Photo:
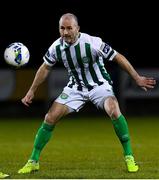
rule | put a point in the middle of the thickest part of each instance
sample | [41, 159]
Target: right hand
[27, 100]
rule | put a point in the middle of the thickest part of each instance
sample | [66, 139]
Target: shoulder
[92, 40]
[56, 43]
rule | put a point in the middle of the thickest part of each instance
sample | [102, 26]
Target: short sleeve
[107, 52]
[49, 57]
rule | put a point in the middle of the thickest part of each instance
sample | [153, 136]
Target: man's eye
[69, 28]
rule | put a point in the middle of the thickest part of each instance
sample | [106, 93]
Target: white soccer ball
[17, 54]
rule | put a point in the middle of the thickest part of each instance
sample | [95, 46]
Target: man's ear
[78, 28]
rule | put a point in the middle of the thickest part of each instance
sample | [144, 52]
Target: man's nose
[65, 32]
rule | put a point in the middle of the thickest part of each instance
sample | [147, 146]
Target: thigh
[71, 98]
[56, 112]
[100, 94]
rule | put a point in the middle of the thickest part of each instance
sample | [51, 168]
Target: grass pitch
[80, 148]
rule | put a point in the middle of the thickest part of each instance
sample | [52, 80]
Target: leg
[43, 135]
[45, 131]
[121, 128]
[69, 101]
[119, 122]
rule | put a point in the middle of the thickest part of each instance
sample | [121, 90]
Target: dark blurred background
[130, 27]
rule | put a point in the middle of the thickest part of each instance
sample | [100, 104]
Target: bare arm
[40, 77]
[142, 81]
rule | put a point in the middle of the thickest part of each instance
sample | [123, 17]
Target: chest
[78, 56]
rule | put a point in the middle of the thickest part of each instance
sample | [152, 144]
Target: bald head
[69, 16]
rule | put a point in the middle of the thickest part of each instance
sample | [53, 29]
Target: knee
[51, 119]
[112, 112]
[111, 107]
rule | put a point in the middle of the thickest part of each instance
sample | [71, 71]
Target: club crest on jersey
[63, 96]
[86, 59]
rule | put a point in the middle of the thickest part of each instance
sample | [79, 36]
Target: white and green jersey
[83, 60]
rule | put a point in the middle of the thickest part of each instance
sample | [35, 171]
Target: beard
[70, 39]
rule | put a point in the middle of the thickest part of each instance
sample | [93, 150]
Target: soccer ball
[16, 54]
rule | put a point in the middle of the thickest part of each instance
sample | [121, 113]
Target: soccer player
[2, 175]
[83, 56]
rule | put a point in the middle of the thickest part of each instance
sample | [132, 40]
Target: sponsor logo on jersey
[106, 48]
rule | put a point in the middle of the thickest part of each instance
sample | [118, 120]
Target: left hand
[146, 82]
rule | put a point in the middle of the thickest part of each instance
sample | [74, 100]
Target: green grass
[81, 148]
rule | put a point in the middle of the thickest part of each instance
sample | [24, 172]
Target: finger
[25, 102]
[151, 81]
[149, 86]
[144, 88]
